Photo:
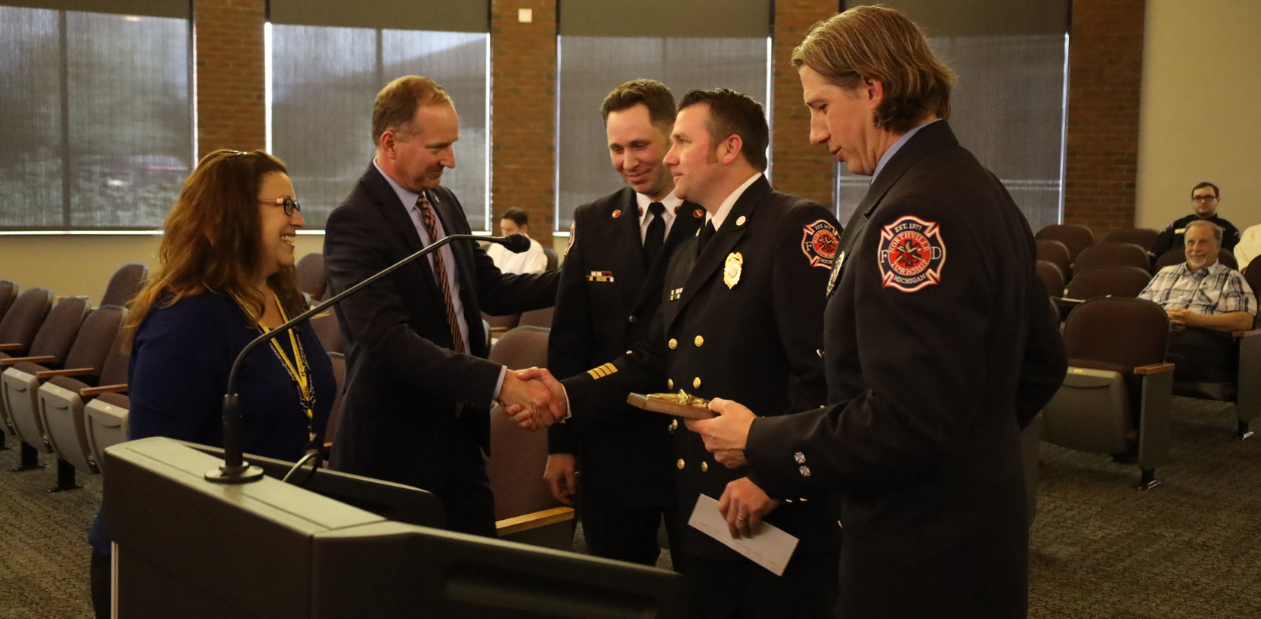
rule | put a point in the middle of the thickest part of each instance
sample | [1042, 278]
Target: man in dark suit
[418, 388]
[935, 360]
[742, 317]
[619, 247]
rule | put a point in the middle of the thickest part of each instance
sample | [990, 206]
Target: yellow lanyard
[298, 368]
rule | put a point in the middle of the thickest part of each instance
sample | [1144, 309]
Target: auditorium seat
[105, 416]
[1117, 396]
[1056, 253]
[17, 332]
[552, 259]
[63, 402]
[1244, 390]
[8, 293]
[1119, 281]
[1075, 237]
[50, 350]
[1052, 277]
[310, 272]
[500, 324]
[1143, 237]
[1111, 255]
[538, 318]
[1252, 273]
[525, 510]
[1178, 255]
[334, 414]
[327, 330]
[60, 409]
[124, 285]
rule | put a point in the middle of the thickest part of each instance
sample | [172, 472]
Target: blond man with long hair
[224, 276]
[939, 347]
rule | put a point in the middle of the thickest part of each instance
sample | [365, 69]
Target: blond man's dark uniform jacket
[742, 320]
[940, 347]
[415, 411]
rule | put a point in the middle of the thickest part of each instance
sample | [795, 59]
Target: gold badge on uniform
[731, 272]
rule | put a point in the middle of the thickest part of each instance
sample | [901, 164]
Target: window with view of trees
[329, 60]
[94, 116]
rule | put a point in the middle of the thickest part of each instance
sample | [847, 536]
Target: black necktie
[706, 233]
[655, 239]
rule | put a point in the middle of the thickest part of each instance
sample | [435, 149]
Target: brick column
[1105, 82]
[798, 167]
[523, 93]
[231, 87]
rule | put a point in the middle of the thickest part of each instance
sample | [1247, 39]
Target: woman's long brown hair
[210, 240]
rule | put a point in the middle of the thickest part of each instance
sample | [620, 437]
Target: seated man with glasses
[1205, 198]
[1210, 299]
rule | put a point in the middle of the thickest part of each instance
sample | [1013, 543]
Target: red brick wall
[523, 95]
[231, 105]
[1105, 80]
[797, 166]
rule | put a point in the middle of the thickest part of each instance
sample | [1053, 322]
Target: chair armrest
[509, 526]
[1249, 333]
[1155, 368]
[13, 346]
[17, 360]
[90, 391]
[47, 374]
[499, 329]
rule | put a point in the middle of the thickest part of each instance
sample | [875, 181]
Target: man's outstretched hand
[533, 398]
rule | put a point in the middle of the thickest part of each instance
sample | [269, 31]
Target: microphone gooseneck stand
[234, 469]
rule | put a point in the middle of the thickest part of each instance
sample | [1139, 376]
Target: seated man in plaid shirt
[1209, 298]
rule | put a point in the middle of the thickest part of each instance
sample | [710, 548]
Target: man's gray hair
[1217, 230]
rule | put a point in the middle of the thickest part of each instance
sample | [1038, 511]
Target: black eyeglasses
[289, 204]
[1208, 198]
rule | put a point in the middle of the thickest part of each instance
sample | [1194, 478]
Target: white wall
[1201, 109]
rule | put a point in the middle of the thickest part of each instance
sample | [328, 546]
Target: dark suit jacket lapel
[714, 257]
[400, 221]
[628, 246]
[685, 226]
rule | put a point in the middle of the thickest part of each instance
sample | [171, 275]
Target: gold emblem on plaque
[731, 272]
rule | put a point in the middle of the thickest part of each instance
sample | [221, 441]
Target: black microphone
[515, 243]
[234, 469]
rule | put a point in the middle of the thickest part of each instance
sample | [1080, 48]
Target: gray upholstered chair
[538, 318]
[1124, 282]
[1143, 237]
[1052, 277]
[124, 285]
[1117, 396]
[1056, 253]
[18, 385]
[60, 409]
[1074, 236]
[1111, 255]
[525, 510]
[17, 333]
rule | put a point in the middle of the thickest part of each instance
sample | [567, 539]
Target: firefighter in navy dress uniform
[939, 346]
[619, 247]
[742, 314]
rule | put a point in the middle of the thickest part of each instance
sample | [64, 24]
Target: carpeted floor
[1100, 549]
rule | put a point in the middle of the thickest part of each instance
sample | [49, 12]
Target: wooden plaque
[668, 403]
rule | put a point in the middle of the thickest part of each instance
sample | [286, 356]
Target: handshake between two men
[535, 400]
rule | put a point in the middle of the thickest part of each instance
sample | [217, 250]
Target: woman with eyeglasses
[225, 276]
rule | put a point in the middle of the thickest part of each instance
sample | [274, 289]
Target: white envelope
[771, 548]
